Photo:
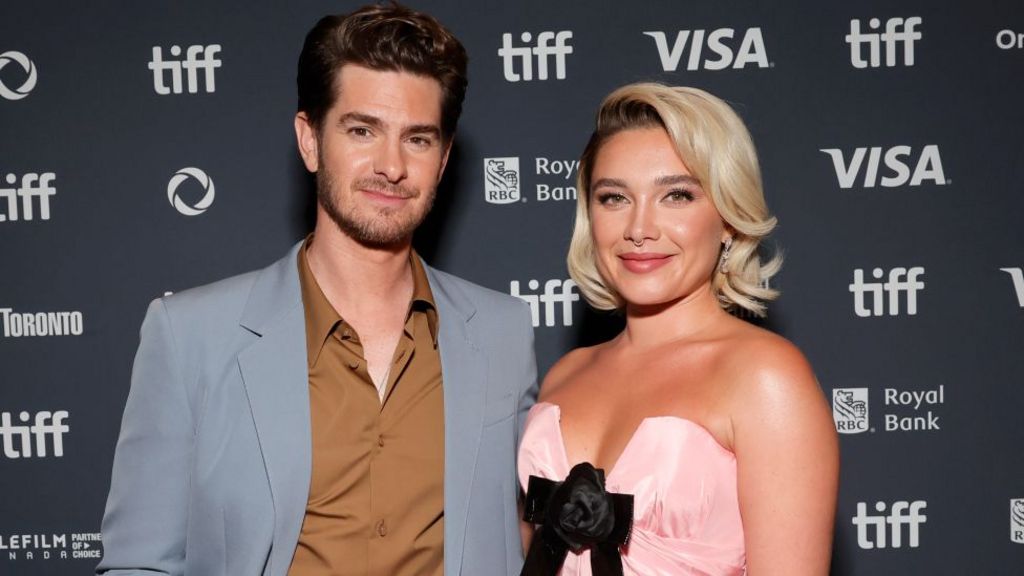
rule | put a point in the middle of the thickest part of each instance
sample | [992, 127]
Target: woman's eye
[610, 198]
[679, 196]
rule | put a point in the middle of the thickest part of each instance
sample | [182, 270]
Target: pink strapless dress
[686, 516]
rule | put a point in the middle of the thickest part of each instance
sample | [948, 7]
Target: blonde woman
[693, 442]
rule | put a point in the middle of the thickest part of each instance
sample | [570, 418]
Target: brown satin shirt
[376, 497]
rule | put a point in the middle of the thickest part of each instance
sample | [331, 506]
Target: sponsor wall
[148, 147]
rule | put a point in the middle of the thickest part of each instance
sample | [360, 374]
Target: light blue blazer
[212, 469]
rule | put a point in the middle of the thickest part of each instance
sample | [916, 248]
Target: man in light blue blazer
[216, 461]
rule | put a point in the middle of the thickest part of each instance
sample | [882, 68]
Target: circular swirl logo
[180, 205]
[30, 78]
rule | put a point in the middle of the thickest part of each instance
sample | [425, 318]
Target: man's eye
[359, 131]
[421, 141]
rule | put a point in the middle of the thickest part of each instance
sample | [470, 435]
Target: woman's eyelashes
[674, 196]
[610, 198]
[679, 195]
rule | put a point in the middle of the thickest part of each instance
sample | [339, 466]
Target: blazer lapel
[463, 368]
[274, 371]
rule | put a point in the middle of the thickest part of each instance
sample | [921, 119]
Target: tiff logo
[751, 49]
[900, 280]
[17, 439]
[902, 513]
[544, 49]
[33, 187]
[897, 159]
[1017, 275]
[197, 58]
[560, 292]
[897, 31]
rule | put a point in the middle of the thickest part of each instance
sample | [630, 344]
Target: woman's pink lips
[641, 262]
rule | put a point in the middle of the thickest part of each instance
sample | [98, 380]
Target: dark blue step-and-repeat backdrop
[146, 147]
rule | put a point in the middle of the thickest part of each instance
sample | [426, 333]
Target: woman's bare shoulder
[754, 354]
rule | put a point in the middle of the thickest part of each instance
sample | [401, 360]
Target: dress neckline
[702, 431]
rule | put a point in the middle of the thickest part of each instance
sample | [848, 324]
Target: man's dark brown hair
[382, 37]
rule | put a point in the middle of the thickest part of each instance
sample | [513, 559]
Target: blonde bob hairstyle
[715, 146]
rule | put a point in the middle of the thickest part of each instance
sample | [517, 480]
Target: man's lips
[385, 195]
[641, 262]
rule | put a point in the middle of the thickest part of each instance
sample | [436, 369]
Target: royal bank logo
[1010, 40]
[501, 180]
[884, 297]
[850, 410]
[711, 50]
[555, 303]
[548, 46]
[896, 42]
[179, 203]
[30, 200]
[551, 180]
[33, 436]
[1017, 275]
[27, 84]
[184, 72]
[559, 173]
[898, 160]
[29, 324]
[889, 529]
[904, 410]
[1017, 520]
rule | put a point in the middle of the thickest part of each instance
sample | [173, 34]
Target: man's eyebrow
[360, 118]
[375, 122]
[431, 129]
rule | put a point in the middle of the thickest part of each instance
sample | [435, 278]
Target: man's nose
[390, 161]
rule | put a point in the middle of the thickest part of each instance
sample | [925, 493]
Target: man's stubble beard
[386, 227]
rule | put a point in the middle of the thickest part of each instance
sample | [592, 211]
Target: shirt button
[353, 365]
[380, 440]
[382, 529]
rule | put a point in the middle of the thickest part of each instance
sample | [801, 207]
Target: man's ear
[305, 137]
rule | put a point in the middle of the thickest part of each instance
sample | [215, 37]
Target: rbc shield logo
[1017, 520]
[850, 410]
[501, 180]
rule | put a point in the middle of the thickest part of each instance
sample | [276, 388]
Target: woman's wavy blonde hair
[716, 147]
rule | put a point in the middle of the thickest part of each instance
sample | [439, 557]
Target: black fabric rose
[584, 512]
[576, 514]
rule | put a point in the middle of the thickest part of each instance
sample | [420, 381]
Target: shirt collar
[322, 318]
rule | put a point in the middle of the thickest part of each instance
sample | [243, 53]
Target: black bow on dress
[575, 514]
